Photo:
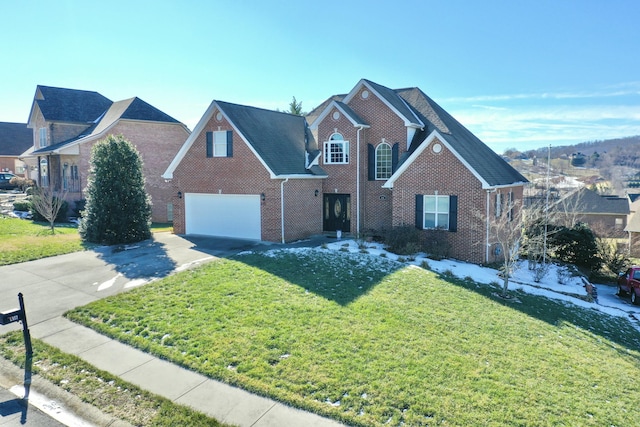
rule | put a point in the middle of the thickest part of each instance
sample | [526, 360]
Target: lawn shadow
[146, 259]
[557, 313]
[342, 279]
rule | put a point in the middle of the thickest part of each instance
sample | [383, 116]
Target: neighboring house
[15, 138]
[66, 123]
[633, 225]
[603, 213]
[363, 162]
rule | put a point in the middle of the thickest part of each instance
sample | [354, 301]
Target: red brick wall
[157, 143]
[60, 132]
[245, 174]
[375, 201]
[303, 209]
[7, 164]
[444, 173]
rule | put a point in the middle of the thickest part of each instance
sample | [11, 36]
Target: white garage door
[224, 215]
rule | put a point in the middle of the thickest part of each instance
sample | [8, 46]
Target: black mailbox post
[20, 315]
[10, 316]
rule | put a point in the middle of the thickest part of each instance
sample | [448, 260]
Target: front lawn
[22, 240]
[370, 341]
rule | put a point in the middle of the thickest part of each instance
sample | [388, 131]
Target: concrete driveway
[54, 285]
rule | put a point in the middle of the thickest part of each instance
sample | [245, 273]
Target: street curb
[12, 376]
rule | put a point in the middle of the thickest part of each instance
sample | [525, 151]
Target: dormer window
[336, 150]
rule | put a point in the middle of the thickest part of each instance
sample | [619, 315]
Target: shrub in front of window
[436, 244]
[404, 240]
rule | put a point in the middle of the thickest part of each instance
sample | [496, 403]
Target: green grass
[158, 227]
[107, 392]
[372, 342]
[22, 240]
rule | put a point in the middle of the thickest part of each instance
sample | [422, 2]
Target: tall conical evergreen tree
[118, 209]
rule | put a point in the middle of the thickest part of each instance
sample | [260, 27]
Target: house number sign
[11, 316]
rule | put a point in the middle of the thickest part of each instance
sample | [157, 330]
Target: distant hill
[610, 152]
[615, 160]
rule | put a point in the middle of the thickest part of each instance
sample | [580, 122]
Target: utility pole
[546, 210]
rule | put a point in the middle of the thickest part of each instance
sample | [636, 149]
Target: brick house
[370, 160]
[66, 123]
[606, 214]
[15, 139]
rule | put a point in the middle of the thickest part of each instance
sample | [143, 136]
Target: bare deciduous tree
[48, 203]
[506, 231]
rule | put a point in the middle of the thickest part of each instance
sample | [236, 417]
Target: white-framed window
[43, 137]
[436, 212]
[383, 161]
[220, 143]
[336, 150]
[498, 204]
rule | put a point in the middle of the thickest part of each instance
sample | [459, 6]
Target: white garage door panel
[225, 215]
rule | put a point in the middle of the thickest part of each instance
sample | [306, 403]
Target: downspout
[488, 225]
[486, 257]
[358, 182]
[282, 207]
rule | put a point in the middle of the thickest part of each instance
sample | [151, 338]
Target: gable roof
[418, 110]
[347, 111]
[482, 160]
[15, 138]
[589, 202]
[634, 224]
[281, 141]
[128, 109]
[69, 105]
[391, 98]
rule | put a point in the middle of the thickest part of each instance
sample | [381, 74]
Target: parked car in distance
[5, 184]
[629, 284]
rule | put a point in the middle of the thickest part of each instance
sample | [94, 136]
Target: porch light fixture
[179, 194]
[315, 193]
[262, 196]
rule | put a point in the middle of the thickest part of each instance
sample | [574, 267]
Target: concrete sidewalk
[223, 402]
[52, 286]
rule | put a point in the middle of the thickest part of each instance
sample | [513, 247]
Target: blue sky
[523, 74]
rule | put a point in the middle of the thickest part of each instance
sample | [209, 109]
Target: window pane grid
[436, 212]
[383, 161]
[220, 144]
[336, 152]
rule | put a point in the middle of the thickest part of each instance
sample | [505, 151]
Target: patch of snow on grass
[522, 279]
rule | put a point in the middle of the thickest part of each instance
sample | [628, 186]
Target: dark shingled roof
[282, 140]
[128, 109]
[354, 116]
[137, 109]
[15, 138]
[315, 113]
[392, 98]
[589, 202]
[70, 105]
[489, 165]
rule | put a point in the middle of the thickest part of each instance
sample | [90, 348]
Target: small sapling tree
[49, 204]
[505, 230]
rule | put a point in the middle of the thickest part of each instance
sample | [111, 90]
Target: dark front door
[337, 212]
